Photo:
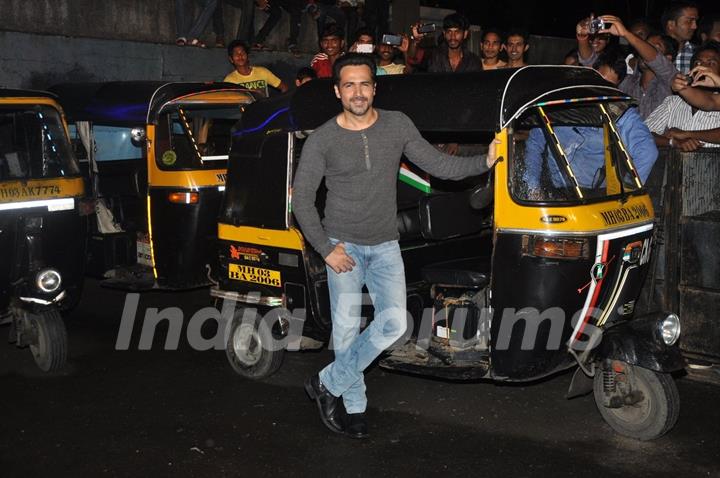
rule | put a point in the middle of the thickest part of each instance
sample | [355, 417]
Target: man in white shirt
[677, 124]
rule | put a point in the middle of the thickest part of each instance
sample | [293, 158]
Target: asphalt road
[185, 413]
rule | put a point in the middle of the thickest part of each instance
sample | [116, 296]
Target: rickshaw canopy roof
[12, 93]
[469, 102]
[130, 103]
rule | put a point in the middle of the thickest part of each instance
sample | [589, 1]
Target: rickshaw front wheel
[252, 348]
[649, 401]
[50, 344]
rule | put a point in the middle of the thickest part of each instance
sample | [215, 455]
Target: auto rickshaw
[156, 154]
[42, 224]
[505, 281]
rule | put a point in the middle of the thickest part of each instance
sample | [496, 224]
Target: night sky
[556, 18]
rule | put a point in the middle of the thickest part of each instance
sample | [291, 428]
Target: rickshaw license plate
[254, 274]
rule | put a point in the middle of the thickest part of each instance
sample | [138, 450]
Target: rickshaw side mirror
[137, 137]
[481, 197]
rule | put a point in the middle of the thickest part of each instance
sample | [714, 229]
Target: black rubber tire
[649, 419]
[50, 350]
[246, 350]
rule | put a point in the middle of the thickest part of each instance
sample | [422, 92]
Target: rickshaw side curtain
[106, 223]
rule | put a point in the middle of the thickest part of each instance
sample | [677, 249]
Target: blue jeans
[198, 25]
[381, 269]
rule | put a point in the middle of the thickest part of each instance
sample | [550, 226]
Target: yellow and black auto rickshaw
[156, 155]
[42, 224]
[521, 273]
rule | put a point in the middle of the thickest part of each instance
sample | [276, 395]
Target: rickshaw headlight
[48, 280]
[670, 329]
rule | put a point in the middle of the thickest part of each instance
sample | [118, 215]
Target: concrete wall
[39, 61]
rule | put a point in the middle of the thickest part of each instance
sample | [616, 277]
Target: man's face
[609, 74]
[355, 89]
[659, 45]
[714, 33]
[641, 29]
[385, 52]
[491, 46]
[599, 42]
[454, 37]
[684, 27]
[364, 40]
[239, 57]
[331, 46]
[709, 59]
[516, 47]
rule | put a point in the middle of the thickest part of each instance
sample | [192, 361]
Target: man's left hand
[492, 152]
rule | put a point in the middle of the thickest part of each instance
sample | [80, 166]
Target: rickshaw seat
[471, 272]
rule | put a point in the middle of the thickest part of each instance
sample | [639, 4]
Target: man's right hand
[704, 76]
[617, 28]
[679, 83]
[339, 260]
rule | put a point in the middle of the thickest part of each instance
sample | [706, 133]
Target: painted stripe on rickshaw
[61, 204]
[603, 243]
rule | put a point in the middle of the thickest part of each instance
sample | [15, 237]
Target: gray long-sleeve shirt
[657, 90]
[360, 170]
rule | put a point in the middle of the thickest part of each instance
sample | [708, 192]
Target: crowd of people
[671, 75]
[347, 14]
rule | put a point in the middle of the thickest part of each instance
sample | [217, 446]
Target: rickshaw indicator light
[555, 247]
[670, 329]
[48, 280]
[183, 198]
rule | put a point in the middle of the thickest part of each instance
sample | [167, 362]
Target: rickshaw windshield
[34, 144]
[195, 136]
[571, 154]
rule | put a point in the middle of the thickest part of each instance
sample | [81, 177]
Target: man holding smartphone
[451, 56]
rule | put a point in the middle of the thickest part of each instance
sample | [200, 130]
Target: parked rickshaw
[42, 227]
[156, 154]
[505, 281]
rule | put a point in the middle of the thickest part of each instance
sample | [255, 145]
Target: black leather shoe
[329, 406]
[356, 425]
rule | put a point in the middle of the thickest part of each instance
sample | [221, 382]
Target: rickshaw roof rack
[481, 102]
[13, 93]
[130, 103]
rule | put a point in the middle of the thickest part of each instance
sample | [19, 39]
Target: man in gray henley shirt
[358, 153]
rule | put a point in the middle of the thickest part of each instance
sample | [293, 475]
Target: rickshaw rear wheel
[49, 349]
[252, 348]
[653, 414]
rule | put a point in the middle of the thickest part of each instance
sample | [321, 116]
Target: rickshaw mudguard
[638, 342]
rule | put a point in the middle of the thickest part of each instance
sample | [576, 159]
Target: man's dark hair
[238, 43]
[518, 32]
[614, 61]
[710, 45]
[305, 72]
[456, 20]
[674, 11]
[332, 30]
[364, 31]
[496, 31]
[353, 59]
[707, 23]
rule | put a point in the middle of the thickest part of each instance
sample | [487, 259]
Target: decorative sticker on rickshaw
[254, 274]
[246, 253]
[622, 215]
[169, 158]
[553, 219]
[221, 177]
